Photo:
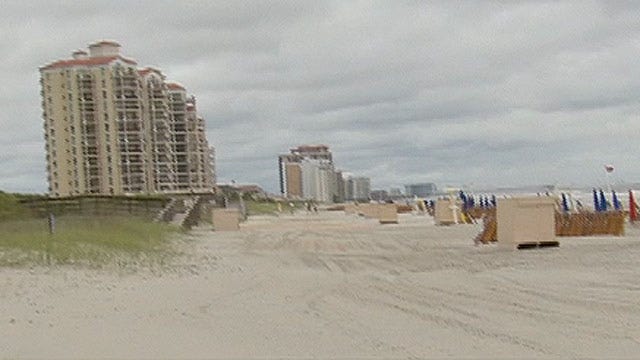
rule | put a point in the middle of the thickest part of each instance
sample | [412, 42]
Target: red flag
[633, 211]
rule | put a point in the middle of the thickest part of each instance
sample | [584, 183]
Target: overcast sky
[457, 93]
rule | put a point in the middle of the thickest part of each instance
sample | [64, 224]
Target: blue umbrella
[603, 201]
[565, 205]
[463, 197]
[596, 205]
[616, 203]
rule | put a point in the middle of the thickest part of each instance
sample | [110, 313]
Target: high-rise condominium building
[357, 188]
[289, 167]
[114, 128]
[307, 172]
[318, 180]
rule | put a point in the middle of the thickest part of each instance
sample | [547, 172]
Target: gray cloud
[482, 93]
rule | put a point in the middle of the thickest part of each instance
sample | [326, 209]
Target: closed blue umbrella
[565, 204]
[616, 203]
[463, 197]
[596, 205]
[603, 201]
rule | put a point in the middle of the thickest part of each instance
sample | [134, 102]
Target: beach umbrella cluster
[601, 204]
[568, 204]
[483, 201]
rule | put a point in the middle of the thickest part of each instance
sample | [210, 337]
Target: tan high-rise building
[293, 177]
[113, 128]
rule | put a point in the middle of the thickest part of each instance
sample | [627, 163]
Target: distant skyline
[485, 93]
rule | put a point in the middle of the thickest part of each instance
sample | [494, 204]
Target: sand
[336, 286]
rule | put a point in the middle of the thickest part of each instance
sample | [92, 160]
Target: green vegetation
[10, 208]
[262, 207]
[82, 240]
[93, 242]
[270, 207]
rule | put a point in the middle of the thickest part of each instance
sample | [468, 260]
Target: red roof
[311, 147]
[175, 86]
[105, 42]
[148, 70]
[91, 61]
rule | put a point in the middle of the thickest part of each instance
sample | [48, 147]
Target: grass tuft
[10, 208]
[268, 207]
[94, 242]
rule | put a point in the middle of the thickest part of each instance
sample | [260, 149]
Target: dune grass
[261, 207]
[267, 207]
[90, 241]
[10, 208]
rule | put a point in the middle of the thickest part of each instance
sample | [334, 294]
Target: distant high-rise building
[339, 193]
[421, 190]
[307, 172]
[113, 128]
[379, 195]
[357, 188]
[318, 179]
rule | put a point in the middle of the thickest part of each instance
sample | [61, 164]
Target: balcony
[131, 149]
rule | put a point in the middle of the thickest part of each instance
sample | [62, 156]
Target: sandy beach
[336, 286]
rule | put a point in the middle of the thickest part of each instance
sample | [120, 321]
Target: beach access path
[330, 285]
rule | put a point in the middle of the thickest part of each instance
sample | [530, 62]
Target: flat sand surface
[336, 286]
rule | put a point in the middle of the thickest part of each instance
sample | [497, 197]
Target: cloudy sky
[457, 93]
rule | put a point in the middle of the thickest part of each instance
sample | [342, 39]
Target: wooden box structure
[368, 210]
[226, 219]
[387, 213]
[590, 223]
[384, 213]
[447, 212]
[526, 222]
